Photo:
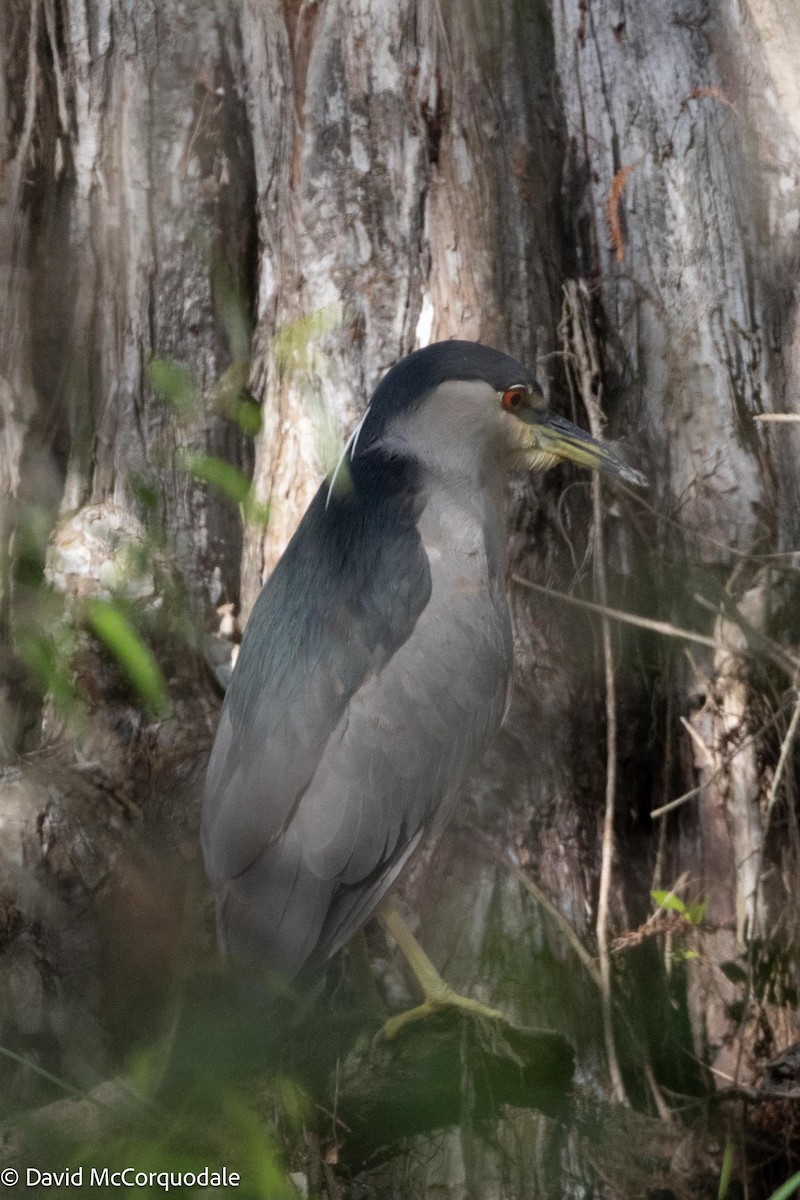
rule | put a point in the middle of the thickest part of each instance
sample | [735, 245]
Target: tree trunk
[127, 243]
[309, 189]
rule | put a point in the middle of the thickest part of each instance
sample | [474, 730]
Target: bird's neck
[457, 505]
[464, 515]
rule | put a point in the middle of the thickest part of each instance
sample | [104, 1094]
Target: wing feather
[329, 618]
[342, 735]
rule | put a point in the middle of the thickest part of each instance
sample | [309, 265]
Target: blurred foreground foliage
[220, 1086]
[134, 604]
[115, 630]
[230, 1082]
[223, 1133]
[130, 616]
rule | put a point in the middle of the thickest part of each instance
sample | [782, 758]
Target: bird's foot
[438, 994]
[443, 998]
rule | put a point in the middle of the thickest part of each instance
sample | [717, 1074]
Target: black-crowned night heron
[375, 667]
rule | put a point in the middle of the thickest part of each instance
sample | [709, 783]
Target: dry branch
[617, 614]
[431, 1076]
[440, 1072]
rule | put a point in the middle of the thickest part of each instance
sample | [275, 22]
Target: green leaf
[233, 400]
[725, 1172]
[247, 415]
[227, 479]
[222, 475]
[255, 1154]
[790, 1188]
[173, 382]
[683, 955]
[294, 345]
[669, 902]
[110, 626]
[294, 1100]
[695, 912]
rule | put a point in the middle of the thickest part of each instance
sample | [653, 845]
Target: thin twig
[783, 758]
[675, 890]
[778, 417]
[666, 775]
[694, 535]
[662, 1108]
[607, 859]
[726, 608]
[698, 741]
[618, 614]
[589, 964]
[558, 918]
[695, 791]
[590, 388]
[69, 1088]
[777, 779]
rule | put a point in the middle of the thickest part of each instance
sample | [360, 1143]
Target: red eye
[514, 398]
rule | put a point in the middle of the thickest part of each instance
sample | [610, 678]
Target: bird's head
[455, 404]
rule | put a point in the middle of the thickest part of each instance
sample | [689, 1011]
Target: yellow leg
[437, 993]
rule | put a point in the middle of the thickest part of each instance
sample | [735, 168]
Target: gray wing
[329, 617]
[401, 745]
[338, 744]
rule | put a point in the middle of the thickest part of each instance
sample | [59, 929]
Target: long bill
[555, 436]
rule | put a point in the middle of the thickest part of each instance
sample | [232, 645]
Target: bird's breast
[465, 629]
